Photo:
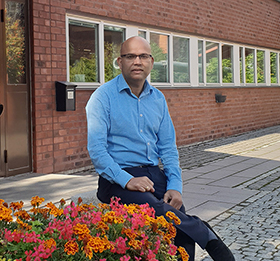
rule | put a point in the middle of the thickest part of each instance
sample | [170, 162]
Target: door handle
[1, 108]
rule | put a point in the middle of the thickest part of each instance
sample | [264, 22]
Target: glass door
[15, 90]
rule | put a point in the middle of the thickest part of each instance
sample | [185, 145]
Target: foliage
[15, 49]
[273, 67]
[212, 73]
[159, 72]
[111, 52]
[108, 232]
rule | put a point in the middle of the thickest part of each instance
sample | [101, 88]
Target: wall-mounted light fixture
[220, 98]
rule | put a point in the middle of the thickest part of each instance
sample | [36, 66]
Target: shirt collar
[122, 85]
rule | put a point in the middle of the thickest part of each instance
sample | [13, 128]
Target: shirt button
[139, 100]
[141, 130]
[148, 143]
[141, 115]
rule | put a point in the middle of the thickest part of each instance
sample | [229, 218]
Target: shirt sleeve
[168, 152]
[98, 124]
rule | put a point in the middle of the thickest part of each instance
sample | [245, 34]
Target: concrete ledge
[87, 197]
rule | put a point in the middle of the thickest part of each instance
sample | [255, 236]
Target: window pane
[212, 62]
[227, 63]
[181, 59]
[200, 62]
[260, 66]
[249, 65]
[142, 34]
[241, 62]
[83, 52]
[15, 42]
[113, 38]
[273, 67]
[159, 45]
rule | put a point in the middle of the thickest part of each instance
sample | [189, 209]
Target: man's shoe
[219, 251]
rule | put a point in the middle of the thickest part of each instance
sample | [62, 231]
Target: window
[142, 34]
[93, 48]
[212, 62]
[273, 67]
[250, 65]
[83, 51]
[241, 63]
[159, 46]
[113, 37]
[200, 62]
[181, 72]
[227, 63]
[260, 67]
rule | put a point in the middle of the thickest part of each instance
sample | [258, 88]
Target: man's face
[135, 69]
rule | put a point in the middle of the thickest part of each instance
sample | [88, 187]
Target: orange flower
[71, 247]
[173, 217]
[81, 230]
[136, 244]
[36, 201]
[54, 210]
[183, 253]
[5, 213]
[22, 214]
[50, 243]
[16, 205]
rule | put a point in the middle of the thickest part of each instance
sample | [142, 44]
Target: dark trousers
[191, 229]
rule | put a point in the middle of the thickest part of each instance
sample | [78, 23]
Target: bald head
[137, 42]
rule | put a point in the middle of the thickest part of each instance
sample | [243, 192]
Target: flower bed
[108, 232]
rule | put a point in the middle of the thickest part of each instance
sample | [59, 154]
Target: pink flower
[124, 258]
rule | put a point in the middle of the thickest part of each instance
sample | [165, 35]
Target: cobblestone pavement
[252, 228]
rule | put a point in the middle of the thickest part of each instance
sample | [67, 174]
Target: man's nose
[137, 60]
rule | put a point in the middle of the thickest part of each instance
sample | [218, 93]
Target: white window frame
[132, 30]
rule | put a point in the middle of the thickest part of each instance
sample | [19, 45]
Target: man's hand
[173, 198]
[141, 184]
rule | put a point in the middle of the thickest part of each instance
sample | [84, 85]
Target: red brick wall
[197, 116]
[59, 138]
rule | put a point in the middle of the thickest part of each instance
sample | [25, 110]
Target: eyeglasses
[132, 57]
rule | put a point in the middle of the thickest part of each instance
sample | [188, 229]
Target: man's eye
[131, 56]
[144, 56]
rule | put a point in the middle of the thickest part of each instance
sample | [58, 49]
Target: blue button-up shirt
[127, 131]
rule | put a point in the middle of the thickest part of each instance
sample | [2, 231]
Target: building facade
[217, 63]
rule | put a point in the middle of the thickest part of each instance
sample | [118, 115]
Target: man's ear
[153, 60]
[119, 61]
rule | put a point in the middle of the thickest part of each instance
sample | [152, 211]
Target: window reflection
[113, 38]
[212, 62]
[273, 67]
[159, 46]
[227, 63]
[260, 66]
[15, 42]
[181, 60]
[83, 52]
[241, 62]
[200, 62]
[249, 65]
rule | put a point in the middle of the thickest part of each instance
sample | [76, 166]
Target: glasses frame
[134, 56]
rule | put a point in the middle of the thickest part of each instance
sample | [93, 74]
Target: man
[129, 130]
